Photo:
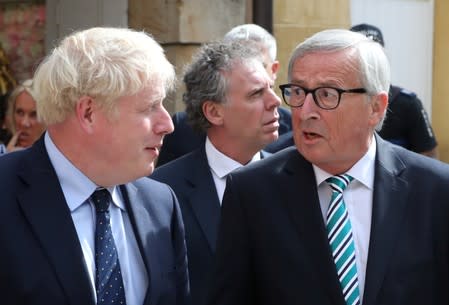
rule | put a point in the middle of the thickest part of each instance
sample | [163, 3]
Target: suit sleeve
[230, 282]
[180, 251]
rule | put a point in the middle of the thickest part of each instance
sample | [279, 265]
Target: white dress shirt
[77, 189]
[358, 197]
[221, 165]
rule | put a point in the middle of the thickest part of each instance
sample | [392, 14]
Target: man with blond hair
[81, 225]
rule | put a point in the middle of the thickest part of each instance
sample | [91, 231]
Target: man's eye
[297, 91]
[257, 93]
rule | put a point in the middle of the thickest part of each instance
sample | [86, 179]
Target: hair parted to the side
[205, 78]
[103, 63]
[25, 86]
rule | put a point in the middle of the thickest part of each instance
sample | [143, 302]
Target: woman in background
[22, 117]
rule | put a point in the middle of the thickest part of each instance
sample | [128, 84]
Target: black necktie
[108, 277]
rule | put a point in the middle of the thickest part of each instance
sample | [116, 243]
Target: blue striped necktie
[108, 277]
[339, 233]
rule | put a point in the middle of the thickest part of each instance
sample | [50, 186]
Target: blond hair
[25, 86]
[102, 63]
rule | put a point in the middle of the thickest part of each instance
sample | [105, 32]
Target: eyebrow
[254, 91]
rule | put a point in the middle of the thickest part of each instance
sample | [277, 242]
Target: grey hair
[25, 86]
[371, 62]
[205, 78]
[256, 33]
[103, 63]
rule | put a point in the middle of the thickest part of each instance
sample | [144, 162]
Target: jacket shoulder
[407, 93]
[176, 172]
[397, 91]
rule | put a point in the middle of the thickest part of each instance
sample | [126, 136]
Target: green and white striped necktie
[339, 233]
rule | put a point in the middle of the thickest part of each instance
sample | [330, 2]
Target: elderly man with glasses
[343, 217]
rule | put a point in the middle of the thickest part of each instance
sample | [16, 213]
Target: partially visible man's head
[369, 31]
[264, 40]
[335, 139]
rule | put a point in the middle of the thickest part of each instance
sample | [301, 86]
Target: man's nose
[164, 124]
[273, 100]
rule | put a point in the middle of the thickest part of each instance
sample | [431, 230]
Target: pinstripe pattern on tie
[341, 241]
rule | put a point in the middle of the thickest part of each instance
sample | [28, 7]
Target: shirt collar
[221, 164]
[362, 171]
[76, 186]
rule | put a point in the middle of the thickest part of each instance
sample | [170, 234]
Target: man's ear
[274, 69]
[213, 112]
[84, 111]
[379, 106]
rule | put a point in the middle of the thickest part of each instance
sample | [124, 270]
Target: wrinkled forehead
[346, 59]
[341, 56]
[336, 68]
[248, 67]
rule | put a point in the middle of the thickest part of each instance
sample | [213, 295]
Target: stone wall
[182, 26]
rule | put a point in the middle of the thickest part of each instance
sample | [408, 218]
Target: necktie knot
[339, 183]
[101, 198]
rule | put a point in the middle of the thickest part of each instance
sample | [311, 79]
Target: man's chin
[150, 169]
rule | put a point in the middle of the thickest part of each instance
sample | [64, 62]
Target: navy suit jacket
[285, 140]
[184, 139]
[41, 261]
[191, 179]
[272, 246]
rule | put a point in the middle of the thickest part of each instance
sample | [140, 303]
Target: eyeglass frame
[313, 91]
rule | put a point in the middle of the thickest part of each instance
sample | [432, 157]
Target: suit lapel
[304, 208]
[389, 202]
[203, 197]
[146, 234]
[45, 208]
[264, 154]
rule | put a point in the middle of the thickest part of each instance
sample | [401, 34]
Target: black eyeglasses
[325, 97]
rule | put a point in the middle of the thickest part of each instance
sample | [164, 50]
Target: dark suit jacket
[41, 261]
[184, 139]
[191, 179]
[285, 140]
[272, 245]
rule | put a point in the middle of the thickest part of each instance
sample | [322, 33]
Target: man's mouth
[311, 135]
[274, 121]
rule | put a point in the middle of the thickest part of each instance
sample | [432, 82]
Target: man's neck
[236, 151]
